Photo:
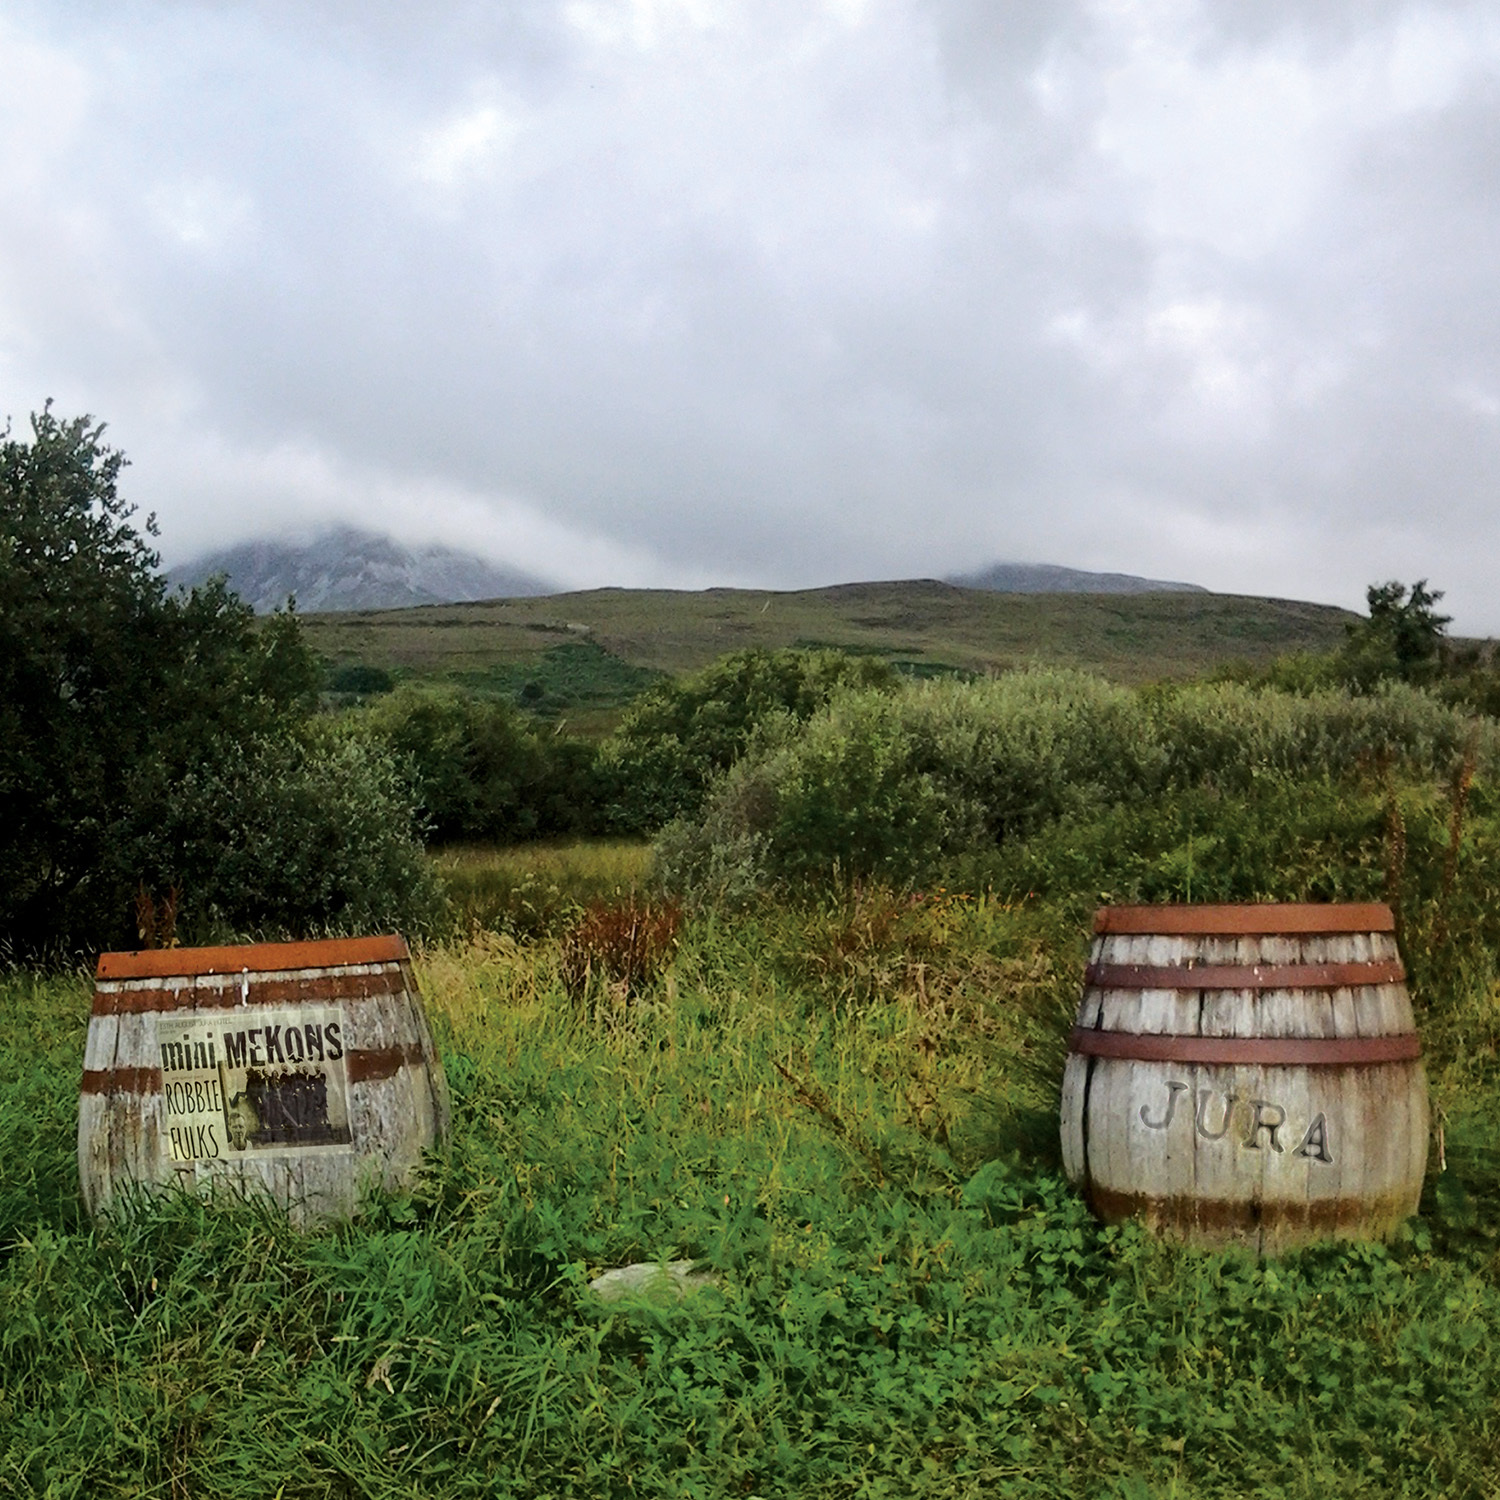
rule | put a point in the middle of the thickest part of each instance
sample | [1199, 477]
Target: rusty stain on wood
[1294, 1219]
[1242, 976]
[1264, 917]
[370, 1064]
[324, 953]
[238, 988]
[121, 1080]
[1317, 1052]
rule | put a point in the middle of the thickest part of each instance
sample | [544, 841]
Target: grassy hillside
[588, 643]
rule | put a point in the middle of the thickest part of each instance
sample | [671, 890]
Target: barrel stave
[1077, 1072]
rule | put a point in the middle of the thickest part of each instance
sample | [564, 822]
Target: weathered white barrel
[1247, 1074]
[304, 1070]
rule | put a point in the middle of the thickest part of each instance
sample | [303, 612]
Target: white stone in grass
[671, 1281]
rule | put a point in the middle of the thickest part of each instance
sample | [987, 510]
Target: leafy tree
[478, 771]
[114, 695]
[1403, 636]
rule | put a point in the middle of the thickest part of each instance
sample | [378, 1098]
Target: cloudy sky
[778, 292]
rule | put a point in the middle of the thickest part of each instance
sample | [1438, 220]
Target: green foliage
[843, 1101]
[478, 769]
[41, 1045]
[356, 681]
[1280, 839]
[826, 1104]
[153, 744]
[536, 891]
[892, 784]
[679, 735]
[285, 835]
[895, 785]
[1402, 637]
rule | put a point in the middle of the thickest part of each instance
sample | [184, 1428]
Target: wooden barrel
[304, 1070]
[1247, 1074]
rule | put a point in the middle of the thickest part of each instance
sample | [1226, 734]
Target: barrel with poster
[303, 1070]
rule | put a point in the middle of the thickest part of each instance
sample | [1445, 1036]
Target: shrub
[477, 770]
[1229, 734]
[680, 735]
[283, 837]
[357, 680]
[1281, 839]
[623, 945]
[888, 785]
[892, 785]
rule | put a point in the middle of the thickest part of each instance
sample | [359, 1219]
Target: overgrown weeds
[844, 1101]
[615, 951]
[895, 1316]
[536, 892]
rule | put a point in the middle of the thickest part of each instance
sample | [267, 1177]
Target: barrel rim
[321, 953]
[1266, 918]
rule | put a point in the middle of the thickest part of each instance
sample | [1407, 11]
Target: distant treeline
[167, 772]
[482, 770]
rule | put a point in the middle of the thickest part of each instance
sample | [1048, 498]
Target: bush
[1229, 735]
[477, 770]
[891, 786]
[289, 836]
[678, 736]
[1281, 839]
[356, 680]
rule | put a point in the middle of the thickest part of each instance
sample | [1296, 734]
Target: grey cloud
[783, 299]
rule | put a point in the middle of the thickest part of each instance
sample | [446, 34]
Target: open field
[602, 645]
[837, 1098]
[845, 1109]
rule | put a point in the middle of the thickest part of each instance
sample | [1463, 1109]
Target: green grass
[579, 675]
[845, 1107]
[927, 628]
[536, 890]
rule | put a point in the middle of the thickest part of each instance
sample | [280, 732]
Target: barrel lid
[1248, 919]
[258, 958]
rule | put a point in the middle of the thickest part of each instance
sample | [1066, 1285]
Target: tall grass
[834, 1104]
[537, 890]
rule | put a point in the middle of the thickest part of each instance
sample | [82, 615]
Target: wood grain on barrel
[1257, 1150]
